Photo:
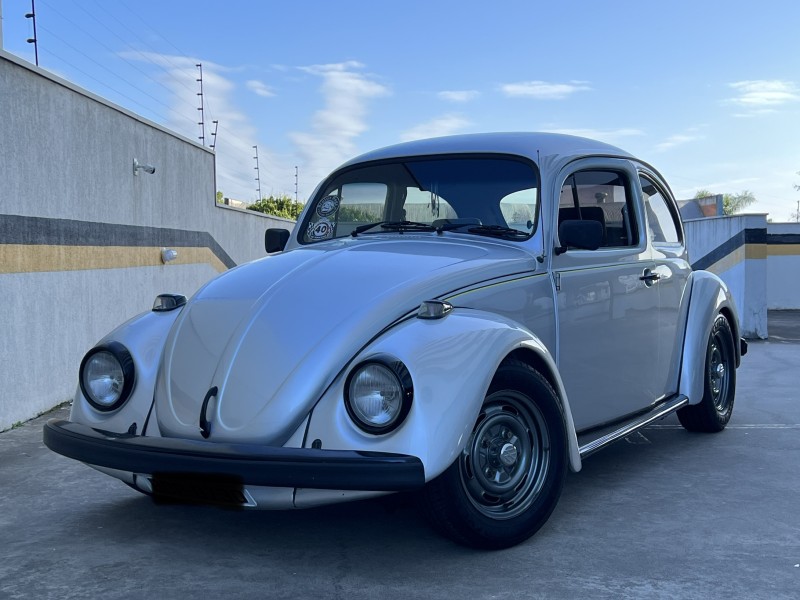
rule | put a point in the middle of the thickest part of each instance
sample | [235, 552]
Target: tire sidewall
[484, 531]
[721, 326]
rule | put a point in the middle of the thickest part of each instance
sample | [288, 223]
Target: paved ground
[784, 325]
[666, 514]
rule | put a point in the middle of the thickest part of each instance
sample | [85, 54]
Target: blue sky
[708, 92]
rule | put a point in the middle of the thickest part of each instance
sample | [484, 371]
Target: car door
[605, 302]
[665, 236]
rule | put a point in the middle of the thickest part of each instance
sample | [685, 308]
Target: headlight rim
[125, 360]
[400, 371]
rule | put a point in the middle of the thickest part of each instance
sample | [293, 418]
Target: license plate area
[216, 490]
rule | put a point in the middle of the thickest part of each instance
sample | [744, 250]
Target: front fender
[451, 362]
[144, 337]
[709, 297]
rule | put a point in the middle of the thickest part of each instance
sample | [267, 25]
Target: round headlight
[107, 376]
[378, 395]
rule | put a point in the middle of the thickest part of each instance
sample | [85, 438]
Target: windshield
[474, 195]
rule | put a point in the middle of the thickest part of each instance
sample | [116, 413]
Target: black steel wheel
[508, 478]
[715, 409]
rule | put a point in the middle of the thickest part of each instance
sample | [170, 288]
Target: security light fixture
[146, 168]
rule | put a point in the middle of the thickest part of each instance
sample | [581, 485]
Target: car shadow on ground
[619, 472]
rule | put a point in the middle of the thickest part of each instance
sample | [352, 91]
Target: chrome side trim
[661, 411]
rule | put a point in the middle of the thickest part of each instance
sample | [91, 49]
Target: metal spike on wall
[258, 172]
[34, 40]
[214, 134]
[201, 108]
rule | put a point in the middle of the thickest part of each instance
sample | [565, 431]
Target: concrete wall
[81, 235]
[735, 249]
[783, 265]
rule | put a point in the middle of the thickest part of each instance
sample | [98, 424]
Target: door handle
[649, 277]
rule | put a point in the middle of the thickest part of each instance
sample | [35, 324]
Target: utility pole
[295, 189]
[34, 40]
[258, 172]
[201, 108]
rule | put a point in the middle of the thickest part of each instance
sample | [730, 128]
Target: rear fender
[709, 297]
[452, 362]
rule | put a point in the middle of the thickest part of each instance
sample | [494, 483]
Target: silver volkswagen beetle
[465, 317]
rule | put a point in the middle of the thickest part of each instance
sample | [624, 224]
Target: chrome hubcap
[508, 455]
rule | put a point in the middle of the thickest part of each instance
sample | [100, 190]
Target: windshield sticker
[321, 230]
[328, 205]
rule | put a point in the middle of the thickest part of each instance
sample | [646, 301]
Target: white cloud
[677, 140]
[543, 90]
[335, 127]
[259, 88]
[756, 112]
[610, 136]
[760, 94]
[458, 95]
[444, 125]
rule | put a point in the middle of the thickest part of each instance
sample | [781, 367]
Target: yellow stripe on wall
[783, 249]
[755, 251]
[728, 261]
[24, 258]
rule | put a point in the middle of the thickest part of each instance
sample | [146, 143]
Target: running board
[659, 412]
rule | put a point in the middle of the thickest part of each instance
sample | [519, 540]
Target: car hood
[272, 335]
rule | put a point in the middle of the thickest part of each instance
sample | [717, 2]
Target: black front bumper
[250, 464]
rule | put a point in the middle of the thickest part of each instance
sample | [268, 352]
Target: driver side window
[602, 196]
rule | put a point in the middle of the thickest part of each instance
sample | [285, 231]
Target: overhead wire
[103, 83]
[167, 58]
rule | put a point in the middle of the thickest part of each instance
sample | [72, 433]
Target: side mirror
[584, 235]
[275, 240]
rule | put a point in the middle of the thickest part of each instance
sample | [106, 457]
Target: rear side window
[602, 196]
[661, 225]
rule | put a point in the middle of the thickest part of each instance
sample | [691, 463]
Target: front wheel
[714, 410]
[508, 478]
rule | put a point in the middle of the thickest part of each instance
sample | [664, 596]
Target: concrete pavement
[663, 514]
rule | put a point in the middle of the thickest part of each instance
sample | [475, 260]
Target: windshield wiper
[400, 226]
[499, 231]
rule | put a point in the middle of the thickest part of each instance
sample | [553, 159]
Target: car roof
[535, 146]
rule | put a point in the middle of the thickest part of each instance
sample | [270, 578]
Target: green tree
[357, 214]
[731, 203]
[282, 206]
[220, 197]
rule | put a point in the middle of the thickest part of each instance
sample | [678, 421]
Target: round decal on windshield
[328, 205]
[321, 230]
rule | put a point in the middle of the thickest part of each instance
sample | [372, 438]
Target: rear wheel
[719, 389]
[507, 480]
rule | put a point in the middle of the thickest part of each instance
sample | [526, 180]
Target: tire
[506, 482]
[719, 388]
